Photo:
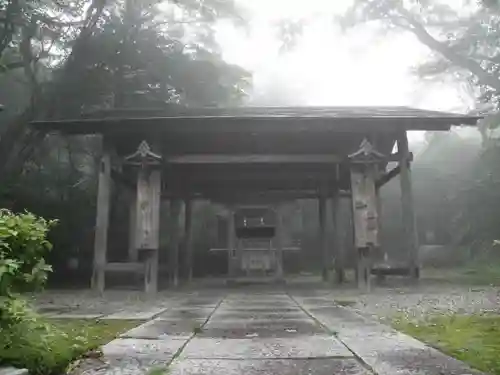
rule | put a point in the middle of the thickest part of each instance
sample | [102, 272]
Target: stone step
[13, 371]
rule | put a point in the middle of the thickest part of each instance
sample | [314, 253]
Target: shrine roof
[258, 119]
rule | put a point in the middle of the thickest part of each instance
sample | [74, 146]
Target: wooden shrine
[251, 155]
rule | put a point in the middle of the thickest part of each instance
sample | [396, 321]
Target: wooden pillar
[364, 208]
[407, 205]
[337, 242]
[133, 255]
[363, 273]
[188, 236]
[378, 202]
[279, 274]
[175, 210]
[147, 236]
[102, 221]
[231, 244]
[365, 221]
[322, 234]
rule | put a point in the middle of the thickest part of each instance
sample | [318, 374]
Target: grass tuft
[474, 339]
[48, 346]
[158, 371]
[197, 330]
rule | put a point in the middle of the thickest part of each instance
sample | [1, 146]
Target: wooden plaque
[364, 208]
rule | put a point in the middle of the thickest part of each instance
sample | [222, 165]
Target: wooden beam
[337, 243]
[134, 267]
[408, 209]
[188, 238]
[264, 158]
[277, 178]
[102, 220]
[248, 186]
[278, 244]
[386, 177]
[322, 211]
[228, 196]
[253, 159]
[231, 243]
[396, 157]
[175, 209]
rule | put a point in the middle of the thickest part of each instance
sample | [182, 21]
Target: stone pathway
[257, 332]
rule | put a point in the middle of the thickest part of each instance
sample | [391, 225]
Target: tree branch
[8, 24]
[468, 63]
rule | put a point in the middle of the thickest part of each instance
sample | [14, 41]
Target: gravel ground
[382, 302]
[420, 301]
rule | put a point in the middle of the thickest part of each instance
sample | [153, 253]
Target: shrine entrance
[251, 159]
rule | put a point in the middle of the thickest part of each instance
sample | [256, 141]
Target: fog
[362, 66]
[329, 66]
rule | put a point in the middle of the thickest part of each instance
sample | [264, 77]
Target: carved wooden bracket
[366, 154]
[143, 156]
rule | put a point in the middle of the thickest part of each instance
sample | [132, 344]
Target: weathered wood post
[364, 206]
[407, 205]
[133, 255]
[188, 237]
[231, 243]
[337, 242]
[175, 211]
[322, 233]
[148, 194]
[102, 220]
[279, 274]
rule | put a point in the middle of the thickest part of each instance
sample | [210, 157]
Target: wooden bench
[144, 269]
[384, 270]
[132, 267]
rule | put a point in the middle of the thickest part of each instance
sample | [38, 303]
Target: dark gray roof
[164, 119]
[258, 112]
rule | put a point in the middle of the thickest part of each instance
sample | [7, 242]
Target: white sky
[328, 67]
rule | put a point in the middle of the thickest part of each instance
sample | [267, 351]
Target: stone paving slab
[121, 366]
[293, 347]
[259, 298]
[316, 301]
[137, 313]
[257, 304]
[258, 309]
[335, 366]
[141, 349]
[200, 302]
[256, 332]
[164, 329]
[186, 313]
[385, 350]
[258, 315]
[298, 326]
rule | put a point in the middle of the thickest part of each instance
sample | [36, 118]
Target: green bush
[30, 342]
[23, 246]
[26, 340]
